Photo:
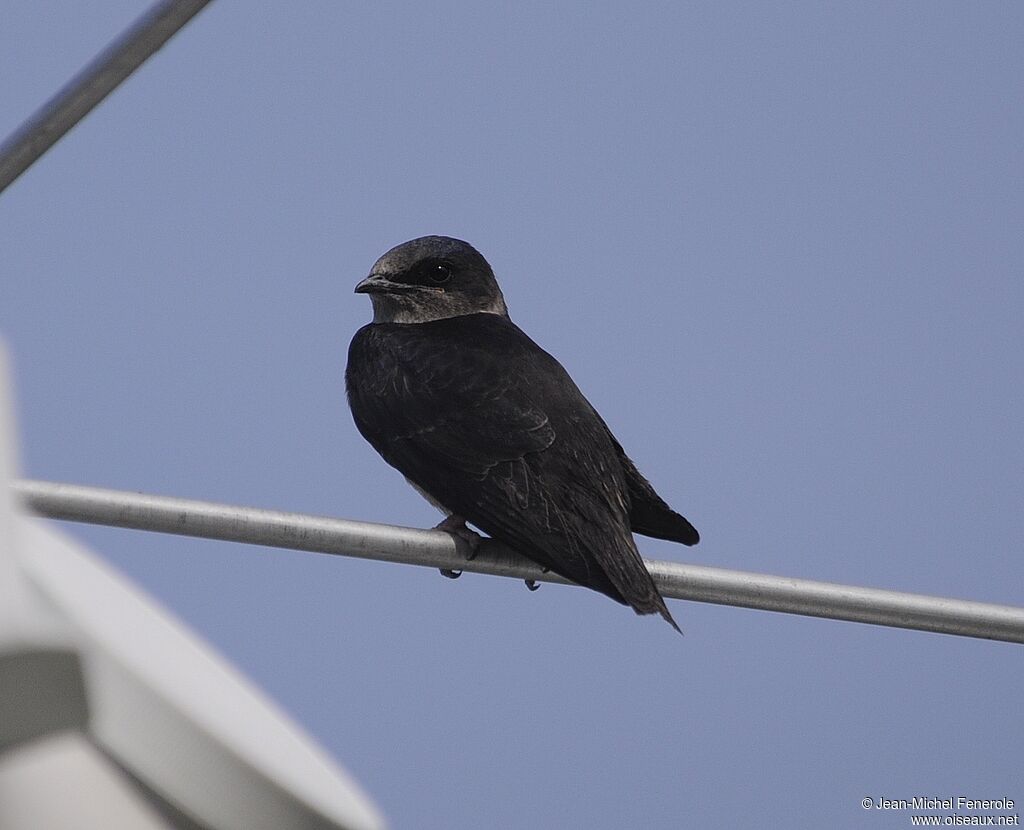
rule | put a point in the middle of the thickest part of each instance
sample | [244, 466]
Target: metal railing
[90, 86]
[437, 549]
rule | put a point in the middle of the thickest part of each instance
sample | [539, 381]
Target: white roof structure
[113, 715]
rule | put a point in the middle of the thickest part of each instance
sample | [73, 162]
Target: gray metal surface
[436, 549]
[90, 86]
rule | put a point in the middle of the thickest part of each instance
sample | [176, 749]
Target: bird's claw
[456, 526]
[531, 584]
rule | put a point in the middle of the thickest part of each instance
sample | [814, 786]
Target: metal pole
[90, 86]
[436, 549]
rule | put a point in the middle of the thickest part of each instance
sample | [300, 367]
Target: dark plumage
[491, 427]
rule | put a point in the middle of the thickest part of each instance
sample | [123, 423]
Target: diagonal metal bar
[90, 86]
[436, 549]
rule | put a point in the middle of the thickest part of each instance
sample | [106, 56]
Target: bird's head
[431, 278]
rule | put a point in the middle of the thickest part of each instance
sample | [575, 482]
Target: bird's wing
[494, 429]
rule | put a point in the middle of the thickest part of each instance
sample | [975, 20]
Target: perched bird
[492, 430]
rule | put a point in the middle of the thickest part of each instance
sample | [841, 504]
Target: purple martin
[492, 430]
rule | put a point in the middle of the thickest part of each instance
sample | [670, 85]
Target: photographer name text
[953, 802]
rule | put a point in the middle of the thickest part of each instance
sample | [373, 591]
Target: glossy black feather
[492, 427]
[649, 515]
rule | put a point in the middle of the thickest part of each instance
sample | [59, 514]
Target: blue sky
[778, 246]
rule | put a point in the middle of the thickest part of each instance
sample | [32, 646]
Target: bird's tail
[663, 524]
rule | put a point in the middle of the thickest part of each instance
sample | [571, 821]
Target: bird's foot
[456, 525]
[532, 583]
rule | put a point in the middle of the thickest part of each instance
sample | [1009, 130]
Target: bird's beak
[376, 284]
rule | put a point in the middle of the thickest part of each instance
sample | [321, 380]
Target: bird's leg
[456, 525]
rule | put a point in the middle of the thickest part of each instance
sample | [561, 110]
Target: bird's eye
[440, 273]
